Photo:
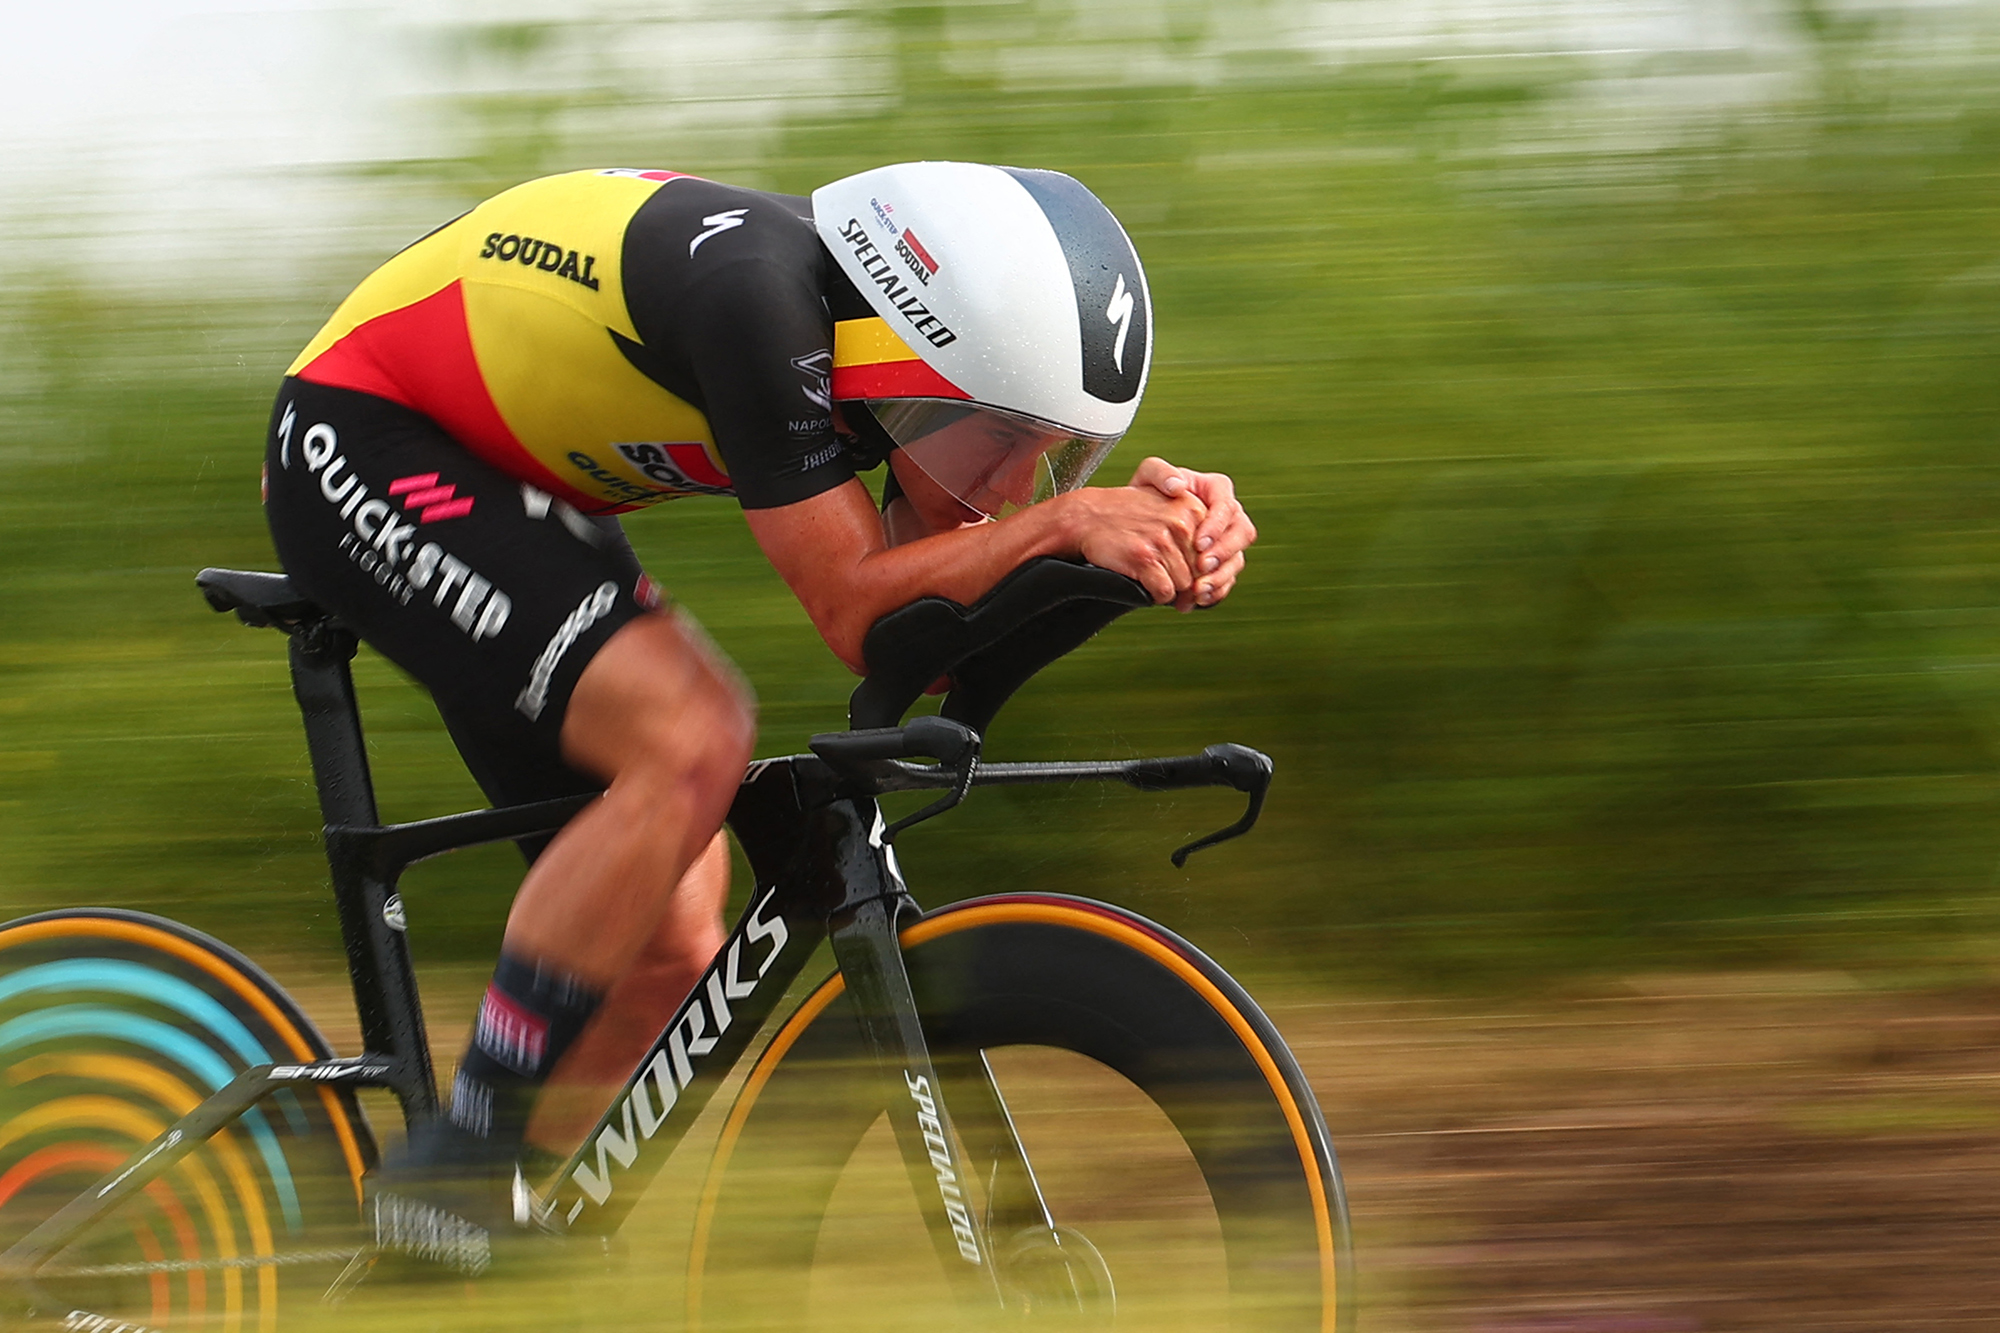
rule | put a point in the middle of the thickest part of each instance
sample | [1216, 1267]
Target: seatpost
[324, 687]
[371, 916]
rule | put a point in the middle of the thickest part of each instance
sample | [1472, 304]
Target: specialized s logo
[717, 223]
[1119, 312]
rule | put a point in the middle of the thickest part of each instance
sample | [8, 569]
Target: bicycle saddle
[266, 601]
[1036, 614]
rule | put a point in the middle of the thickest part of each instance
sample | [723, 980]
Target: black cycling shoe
[446, 1198]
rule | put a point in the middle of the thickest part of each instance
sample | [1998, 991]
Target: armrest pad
[1035, 615]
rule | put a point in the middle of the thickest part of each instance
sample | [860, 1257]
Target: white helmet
[1012, 329]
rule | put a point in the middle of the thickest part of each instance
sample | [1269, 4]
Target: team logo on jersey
[818, 371]
[548, 256]
[383, 544]
[433, 503]
[681, 469]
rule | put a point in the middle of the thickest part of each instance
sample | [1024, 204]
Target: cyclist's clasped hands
[1212, 551]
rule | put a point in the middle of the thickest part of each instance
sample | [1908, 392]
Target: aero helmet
[1011, 333]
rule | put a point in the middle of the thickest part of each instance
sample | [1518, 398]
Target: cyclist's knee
[717, 740]
[702, 744]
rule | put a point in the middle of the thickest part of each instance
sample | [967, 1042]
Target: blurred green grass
[1623, 599]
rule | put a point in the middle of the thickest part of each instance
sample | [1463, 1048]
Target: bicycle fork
[947, 1157]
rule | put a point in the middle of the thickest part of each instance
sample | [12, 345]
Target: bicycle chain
[194, 1265]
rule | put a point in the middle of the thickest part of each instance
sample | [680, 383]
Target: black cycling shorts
[488, 591]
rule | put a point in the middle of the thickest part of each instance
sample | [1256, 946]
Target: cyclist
[447, 457]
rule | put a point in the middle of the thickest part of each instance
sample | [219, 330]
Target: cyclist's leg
[638, 1006]
[501, 602]
[614, 900]
[659, 716]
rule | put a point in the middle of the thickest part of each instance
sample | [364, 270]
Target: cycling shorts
[491, 593]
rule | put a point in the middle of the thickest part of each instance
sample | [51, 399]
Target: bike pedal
[420, 1230]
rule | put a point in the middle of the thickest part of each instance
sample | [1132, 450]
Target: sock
[530, 1016]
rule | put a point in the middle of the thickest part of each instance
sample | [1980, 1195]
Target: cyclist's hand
[1223, 535]
[1141, 534]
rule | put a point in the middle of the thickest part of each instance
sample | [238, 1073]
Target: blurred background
[1615, 384]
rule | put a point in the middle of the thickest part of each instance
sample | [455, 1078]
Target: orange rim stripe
[179, 1099]
[1047, 913]
[56, 1157]
[156, 1283]
[152, 937]
[725, 1144]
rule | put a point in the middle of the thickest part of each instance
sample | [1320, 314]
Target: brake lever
[1246, 770]
[860, 755]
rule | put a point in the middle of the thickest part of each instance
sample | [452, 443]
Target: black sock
[530, 1016]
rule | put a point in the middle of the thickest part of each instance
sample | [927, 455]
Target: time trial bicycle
[180, 1148]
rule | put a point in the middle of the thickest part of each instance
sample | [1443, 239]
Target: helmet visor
[990, 460]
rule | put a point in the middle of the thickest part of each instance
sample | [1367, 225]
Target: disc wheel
[113, 1025]
[1184, 1171]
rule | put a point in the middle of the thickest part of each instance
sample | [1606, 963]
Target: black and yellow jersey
[614, 337]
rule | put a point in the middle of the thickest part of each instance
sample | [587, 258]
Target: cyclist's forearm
[832, 552]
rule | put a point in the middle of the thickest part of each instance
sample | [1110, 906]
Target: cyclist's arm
[830, 549]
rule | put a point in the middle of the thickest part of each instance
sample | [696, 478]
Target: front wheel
[1181, 1160]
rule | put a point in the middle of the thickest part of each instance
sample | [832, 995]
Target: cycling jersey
[615, 338]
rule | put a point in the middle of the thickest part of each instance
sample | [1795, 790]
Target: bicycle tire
[1064, 975]
[114, 1024]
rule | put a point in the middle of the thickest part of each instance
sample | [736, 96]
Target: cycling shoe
[446, 1198]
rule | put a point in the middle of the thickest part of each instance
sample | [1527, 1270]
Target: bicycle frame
[824, 868]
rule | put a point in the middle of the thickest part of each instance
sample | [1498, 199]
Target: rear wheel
[113, 1025]
[1177, 1147]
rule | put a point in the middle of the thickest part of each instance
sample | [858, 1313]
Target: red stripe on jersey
[421, 357]
[893, 379]
[694, 463]
[422, 481]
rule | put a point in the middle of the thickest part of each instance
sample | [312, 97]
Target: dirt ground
[1695, 1153]
[1672, 1154]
